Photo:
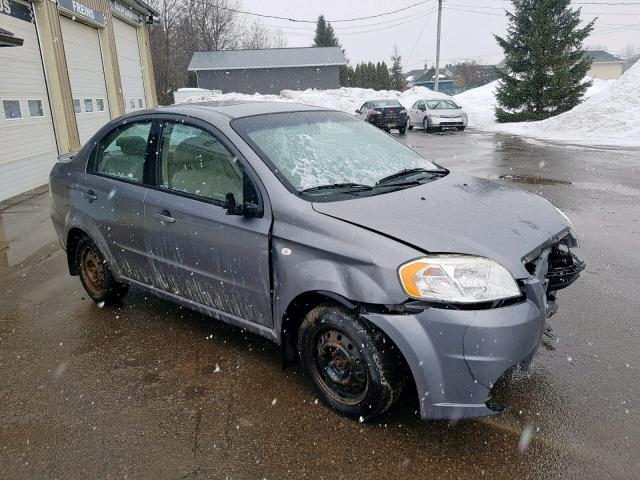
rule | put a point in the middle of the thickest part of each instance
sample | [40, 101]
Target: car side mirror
[247, 210]
[358, 111]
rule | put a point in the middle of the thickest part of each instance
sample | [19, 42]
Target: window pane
[88, 105]
[76, 105]
[11, 109]
[35, 108]
[194, 161]
[100, 104]
[122, 152]
[132, 104]
[140, 104]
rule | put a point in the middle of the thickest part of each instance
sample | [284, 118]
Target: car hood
[459, 214]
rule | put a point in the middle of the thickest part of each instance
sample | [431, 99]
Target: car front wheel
[354, 368]
[95, 274]
[409, 126]
[425, 125]
[402, 130]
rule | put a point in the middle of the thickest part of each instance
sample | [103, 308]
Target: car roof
[236, 109]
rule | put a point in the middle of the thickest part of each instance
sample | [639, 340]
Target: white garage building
[66, 68]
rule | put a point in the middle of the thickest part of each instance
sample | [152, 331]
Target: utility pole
[438, 45]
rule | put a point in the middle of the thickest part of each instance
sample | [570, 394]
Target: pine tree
[325, 35]
[397, 78]
[545, 65]
[385, 79]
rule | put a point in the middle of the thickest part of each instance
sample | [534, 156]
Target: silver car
[436, 115]
[351, 251]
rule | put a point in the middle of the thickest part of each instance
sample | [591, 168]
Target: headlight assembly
[457, 279]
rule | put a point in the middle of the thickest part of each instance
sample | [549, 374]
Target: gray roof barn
[269, 70]
[267, 58]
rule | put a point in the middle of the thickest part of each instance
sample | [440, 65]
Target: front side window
[88, 105]
[122, 152]
[11, 109]
[35, 108]
[312, 149]
[194, 161]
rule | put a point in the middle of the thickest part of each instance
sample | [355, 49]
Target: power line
[329, 21]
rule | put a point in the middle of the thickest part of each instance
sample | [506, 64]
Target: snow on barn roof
[267, 58]
[600, 56]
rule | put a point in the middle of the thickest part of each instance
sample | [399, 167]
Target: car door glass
[196, 162]
[122, 152]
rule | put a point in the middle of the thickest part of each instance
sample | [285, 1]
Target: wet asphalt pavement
[150, 390]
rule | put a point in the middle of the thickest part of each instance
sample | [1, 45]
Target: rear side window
[194, 161]
[122, 152]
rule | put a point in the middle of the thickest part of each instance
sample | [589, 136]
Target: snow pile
[609, 117]
[480, 104]
[343, 99]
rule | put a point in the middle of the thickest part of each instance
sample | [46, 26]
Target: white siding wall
[86, 74]
[27, 145]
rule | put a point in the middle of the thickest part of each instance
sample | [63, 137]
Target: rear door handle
[89, 195]
[164, 216]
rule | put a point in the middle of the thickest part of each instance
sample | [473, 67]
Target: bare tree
[630, 53]
[256, 35]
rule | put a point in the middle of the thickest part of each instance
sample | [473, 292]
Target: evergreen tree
[385, 79]
[397, 77]
[545, 65]
[325, 35]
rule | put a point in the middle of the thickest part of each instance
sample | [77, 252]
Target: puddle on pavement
[533, 180]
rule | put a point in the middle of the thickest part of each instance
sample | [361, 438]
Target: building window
[88, 105]
[140, 104]
[11, 109]
[76, 105]
[100, 104]
[35, 108]
[132, 104]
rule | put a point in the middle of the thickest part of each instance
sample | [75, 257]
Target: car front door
[112, 194]
[364, 112]
[420, 113]
[199, 251]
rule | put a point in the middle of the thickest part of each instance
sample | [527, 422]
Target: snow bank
[343, 99]
[609, 117]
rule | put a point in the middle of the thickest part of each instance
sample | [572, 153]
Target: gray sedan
[354, 253]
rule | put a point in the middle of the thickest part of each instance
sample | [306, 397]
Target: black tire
[409, 126]
[425, 125]
[402, 130]
[354, 368]
[95, 274]
[461, 128]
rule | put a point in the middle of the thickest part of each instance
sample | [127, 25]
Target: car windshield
[313, 149]
[442, 105]
[386, 103]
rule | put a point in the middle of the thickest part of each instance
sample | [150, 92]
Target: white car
[437, 114]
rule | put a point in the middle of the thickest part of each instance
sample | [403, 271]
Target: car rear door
[111, 194]
[199, 252]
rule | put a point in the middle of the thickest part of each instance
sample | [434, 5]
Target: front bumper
[397, 122]
[447, 122]
[457, 356]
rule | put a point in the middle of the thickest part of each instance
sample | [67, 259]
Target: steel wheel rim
[92, 271]
[340, 366]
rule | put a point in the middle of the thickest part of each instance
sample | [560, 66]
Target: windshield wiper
[338, 186]
[409, 172]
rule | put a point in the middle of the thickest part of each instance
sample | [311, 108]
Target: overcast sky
[467, 27]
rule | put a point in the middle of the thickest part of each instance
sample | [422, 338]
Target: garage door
[86, 74]
[130, 65]
[27, 140]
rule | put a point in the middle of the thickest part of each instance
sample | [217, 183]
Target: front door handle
[164, 216]
[89, 195]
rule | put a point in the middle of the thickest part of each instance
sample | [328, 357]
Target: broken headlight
[457, 279]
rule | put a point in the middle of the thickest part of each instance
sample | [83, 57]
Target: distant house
[427, 78]
[605, 66]
[469, 75]
[268, 71]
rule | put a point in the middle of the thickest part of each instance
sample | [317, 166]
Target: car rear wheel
[95, 274]
[354, 368]
[402, 130]
[409, 126]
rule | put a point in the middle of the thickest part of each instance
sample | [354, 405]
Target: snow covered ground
[609, 115]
